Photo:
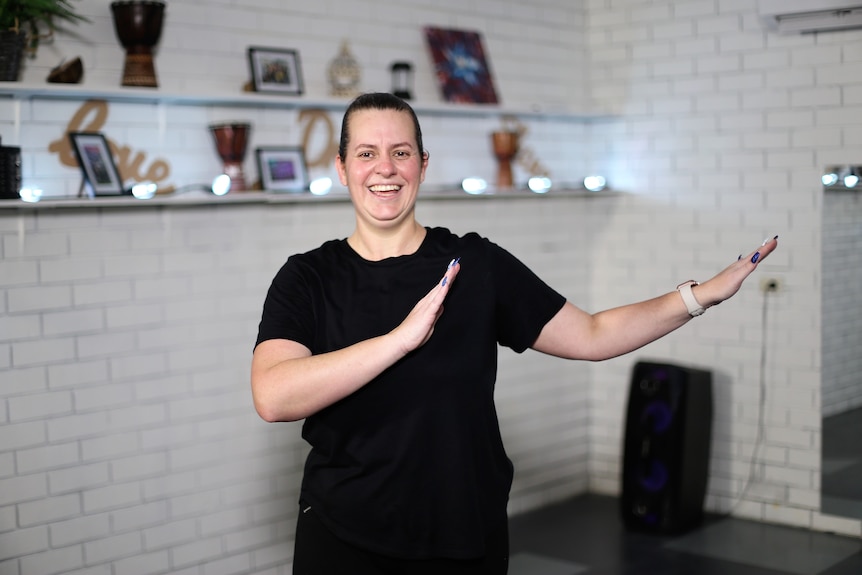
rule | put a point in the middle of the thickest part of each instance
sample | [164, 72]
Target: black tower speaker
[666, 452]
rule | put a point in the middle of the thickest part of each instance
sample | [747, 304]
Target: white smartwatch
[684, 289]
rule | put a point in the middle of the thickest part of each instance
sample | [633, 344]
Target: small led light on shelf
[320, 186]
[851, 179]
[474, 185]
[144, 190]
[539, 185]
[31, 195]
[846, 177]
[595, 183]
[221, 184]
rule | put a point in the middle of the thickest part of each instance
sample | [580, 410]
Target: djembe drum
[138, 24]
[505, 149]
[231, 141]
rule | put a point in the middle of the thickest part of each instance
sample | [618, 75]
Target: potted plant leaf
[23, 23]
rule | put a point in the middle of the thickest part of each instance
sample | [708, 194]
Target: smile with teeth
[381, 188]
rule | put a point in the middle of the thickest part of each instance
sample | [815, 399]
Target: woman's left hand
[728, 281]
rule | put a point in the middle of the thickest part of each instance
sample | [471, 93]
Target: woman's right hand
[419, 324]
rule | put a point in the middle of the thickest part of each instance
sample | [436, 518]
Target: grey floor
[585, 535]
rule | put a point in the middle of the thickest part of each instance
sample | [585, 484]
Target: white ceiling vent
[802, 16]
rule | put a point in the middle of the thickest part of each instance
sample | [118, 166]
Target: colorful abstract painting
[460, 65]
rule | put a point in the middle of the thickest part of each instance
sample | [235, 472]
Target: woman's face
[382, 167]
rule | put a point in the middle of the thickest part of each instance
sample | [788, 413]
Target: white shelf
[235, 198]
[20, 91]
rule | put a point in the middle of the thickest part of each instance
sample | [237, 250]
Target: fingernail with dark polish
[755, 257]
[739, 258]
[443, 283]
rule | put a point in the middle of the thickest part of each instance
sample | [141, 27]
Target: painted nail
[775, 238]
[739, 258]
[443, 283]
[755, 257]
[452, 263]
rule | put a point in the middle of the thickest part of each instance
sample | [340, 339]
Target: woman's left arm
[575, 334]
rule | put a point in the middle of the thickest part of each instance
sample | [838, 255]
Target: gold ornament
[344, 74]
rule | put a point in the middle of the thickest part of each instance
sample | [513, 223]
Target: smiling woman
[407, 470]
[383, 166]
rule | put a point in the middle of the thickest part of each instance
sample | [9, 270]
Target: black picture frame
[282, 168]
[275, 70]
[97, 163]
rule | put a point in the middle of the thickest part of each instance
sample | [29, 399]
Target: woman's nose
[385, 166]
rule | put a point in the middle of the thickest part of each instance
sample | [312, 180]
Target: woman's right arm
[289, 383]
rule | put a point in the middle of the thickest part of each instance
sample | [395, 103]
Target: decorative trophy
[505, 149]
[231, 141]
[138, 24]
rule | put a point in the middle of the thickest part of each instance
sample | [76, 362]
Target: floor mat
[529, 564]
[796, 551]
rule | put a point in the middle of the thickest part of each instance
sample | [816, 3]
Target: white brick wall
[128, 443]
[723, 135]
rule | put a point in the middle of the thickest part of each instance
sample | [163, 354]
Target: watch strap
[691, 303]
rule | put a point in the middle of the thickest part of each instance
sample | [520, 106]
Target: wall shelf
[239, 99]
[205, 199]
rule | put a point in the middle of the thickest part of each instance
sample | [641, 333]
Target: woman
[407, 471]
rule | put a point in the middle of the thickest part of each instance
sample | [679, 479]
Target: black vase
[12, 46]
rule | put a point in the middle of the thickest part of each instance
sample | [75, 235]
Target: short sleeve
[288, 310]
[525, 303]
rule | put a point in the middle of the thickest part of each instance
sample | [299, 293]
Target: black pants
[319, 552]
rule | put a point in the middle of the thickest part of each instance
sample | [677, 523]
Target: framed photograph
[460, 66]
[97, 163]
[275, 70]
[282, 169]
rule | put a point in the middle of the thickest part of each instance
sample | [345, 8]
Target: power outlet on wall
[770, 285]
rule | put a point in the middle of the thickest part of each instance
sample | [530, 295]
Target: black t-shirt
[412, 464]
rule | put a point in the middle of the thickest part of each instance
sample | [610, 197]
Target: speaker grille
[666, 451]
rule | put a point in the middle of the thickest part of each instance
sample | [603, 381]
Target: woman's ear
[424, 165]
[341, 169]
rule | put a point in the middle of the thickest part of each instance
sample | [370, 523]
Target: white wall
[128, 440]
[725, 132]
[122, 447]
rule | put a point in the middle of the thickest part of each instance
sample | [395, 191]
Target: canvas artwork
[460, 65]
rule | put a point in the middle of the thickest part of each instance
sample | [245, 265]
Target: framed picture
[460, 66]
[97, 163]
[282, 169]
[275, 70]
